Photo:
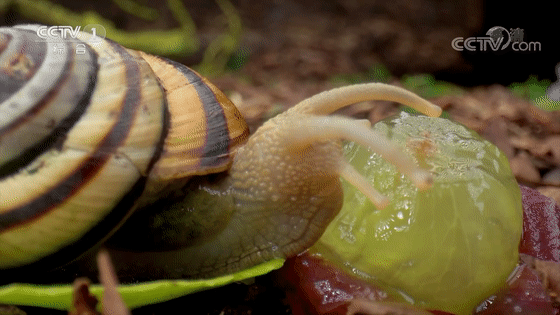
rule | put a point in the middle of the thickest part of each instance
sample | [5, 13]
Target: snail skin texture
[88, 139]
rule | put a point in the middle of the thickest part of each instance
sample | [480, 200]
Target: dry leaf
[552, 177]
[496, 132]
[549, 271]
[10, 310]
[524, 169]
[84, 302]
[550, 148]
[549, 274]
[552, 192]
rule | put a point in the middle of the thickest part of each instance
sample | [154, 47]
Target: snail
[96, 138]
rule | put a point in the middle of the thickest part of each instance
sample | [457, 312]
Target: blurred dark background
[313, 39]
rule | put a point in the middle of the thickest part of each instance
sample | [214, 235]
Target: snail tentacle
[349, 173]
[306, 130]
[329, 101]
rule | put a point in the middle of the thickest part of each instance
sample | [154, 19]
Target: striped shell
[86, 128]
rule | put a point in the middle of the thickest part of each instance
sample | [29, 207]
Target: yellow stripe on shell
[90, 202]
[188, 130]
[28, 242]
[111, 86]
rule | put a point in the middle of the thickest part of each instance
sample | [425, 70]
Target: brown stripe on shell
[238, 129]
[216, 149]
[29, 154]
[36, 270]
[41, 104]
[67, 187]
[38, 114]
[58, 129]
[72, 196]
[201, 138]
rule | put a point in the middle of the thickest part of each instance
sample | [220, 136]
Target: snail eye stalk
[311, 129]
[307, 125]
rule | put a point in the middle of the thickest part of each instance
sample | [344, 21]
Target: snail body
[119, 135]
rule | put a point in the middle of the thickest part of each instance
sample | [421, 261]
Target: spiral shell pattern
[84, 129]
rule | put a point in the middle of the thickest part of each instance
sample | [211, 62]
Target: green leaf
[134, 295]
[536, 91]
[546, 103]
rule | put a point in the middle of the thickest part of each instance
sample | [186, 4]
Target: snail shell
[82, 135]
[87, 138]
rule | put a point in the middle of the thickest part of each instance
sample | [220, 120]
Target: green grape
[447, 247]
